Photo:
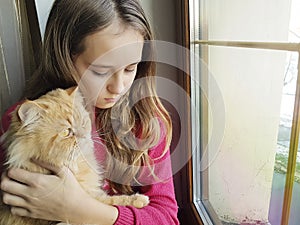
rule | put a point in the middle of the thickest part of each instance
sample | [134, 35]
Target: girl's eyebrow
[108, 66]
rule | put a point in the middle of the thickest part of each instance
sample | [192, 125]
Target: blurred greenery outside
[281, 161]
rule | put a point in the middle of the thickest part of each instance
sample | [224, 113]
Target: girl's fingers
[61, 172]
[46, 165]
[18, 211]
[12, 187]
[13, 200]
[23, 176]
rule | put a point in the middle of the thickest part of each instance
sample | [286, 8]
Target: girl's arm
[163, 206]
[57, 197]
[60, 197]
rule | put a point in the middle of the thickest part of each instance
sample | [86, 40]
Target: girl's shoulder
[5, 122]
[6, 117]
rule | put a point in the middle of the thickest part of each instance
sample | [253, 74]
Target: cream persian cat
[56, 128]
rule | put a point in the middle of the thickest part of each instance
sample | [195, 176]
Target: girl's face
[108, 65]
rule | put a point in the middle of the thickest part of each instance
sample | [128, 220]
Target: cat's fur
[56, 128]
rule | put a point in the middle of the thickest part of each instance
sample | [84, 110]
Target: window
[244, 70]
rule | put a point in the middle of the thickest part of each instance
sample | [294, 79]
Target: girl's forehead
[110, 47]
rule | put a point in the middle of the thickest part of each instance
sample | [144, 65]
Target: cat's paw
[140, 201]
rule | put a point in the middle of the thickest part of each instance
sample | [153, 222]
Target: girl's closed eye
[99, 73]
[131, 68]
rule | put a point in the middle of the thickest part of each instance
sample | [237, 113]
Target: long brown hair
[68, 24]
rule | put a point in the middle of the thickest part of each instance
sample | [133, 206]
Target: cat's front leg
[135, 200]
[139, 200]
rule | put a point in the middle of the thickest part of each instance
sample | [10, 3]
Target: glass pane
[294, 27]
[284, 132]
[283, 142]
[241, 166]
[244, 180]
[295, 37]
[250, 20]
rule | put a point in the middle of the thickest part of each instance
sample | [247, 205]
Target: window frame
[183, 180]
[190, 211]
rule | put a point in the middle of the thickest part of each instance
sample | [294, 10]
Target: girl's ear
[72, 91]
[29, 112]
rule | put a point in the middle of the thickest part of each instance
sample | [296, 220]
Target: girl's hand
[56, 197]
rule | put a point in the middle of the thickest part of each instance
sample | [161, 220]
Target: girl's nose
[115, 84]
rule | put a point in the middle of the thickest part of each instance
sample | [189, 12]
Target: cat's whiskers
[95, 170]
[71, 159]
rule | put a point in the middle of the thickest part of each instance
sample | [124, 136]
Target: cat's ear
[72, 90]
[29, 112]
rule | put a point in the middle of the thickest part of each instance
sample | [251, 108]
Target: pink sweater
[162, 209]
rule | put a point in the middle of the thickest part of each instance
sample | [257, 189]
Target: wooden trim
[34, 29]
[29, 35]
[256, 45]
[188, 213]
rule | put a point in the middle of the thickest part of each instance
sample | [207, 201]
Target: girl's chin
[105, 106]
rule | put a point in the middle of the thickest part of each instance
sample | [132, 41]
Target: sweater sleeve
[162, 209]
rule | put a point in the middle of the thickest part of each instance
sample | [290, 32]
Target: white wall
[43, 8]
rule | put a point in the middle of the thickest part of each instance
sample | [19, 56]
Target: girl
[101, 45]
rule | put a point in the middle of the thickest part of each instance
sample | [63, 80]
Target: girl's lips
[111, 99]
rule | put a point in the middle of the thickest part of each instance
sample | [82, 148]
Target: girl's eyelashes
[128, 69]
[131, 68]
[98, 73]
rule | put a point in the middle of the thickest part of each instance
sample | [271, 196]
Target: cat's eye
[66, 133]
